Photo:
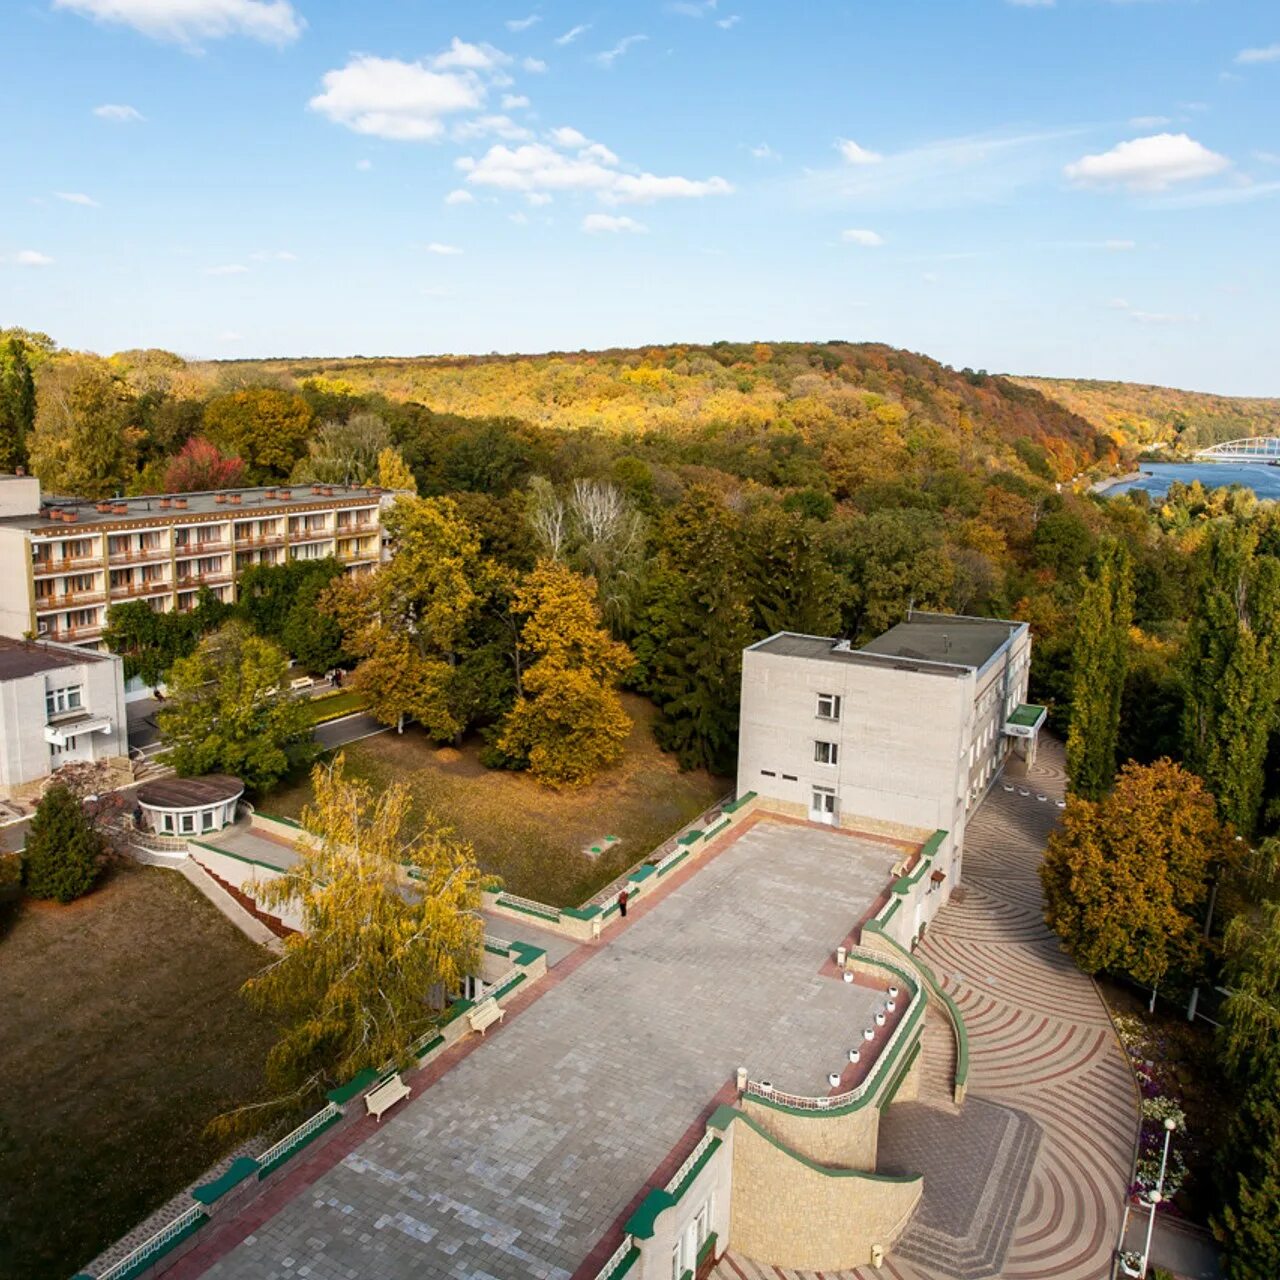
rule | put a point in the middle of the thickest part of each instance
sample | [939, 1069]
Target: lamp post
[1157, 1196]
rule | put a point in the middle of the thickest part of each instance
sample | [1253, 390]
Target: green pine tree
[17, 404]
[1100, 659]
[696, 624]
[1248, 1228]
[1233, 671]
[64, 853]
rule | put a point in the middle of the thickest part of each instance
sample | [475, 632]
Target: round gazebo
[189, 806]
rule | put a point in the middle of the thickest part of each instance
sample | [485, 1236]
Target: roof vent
[842, 646]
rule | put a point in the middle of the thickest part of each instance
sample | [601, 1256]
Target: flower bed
[1161, 1101]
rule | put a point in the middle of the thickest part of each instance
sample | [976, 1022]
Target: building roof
[147, 510]
[932, 643]
[20, 658]
[190, 793]
[936, 637]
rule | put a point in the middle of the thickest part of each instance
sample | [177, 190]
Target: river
[1158, 476]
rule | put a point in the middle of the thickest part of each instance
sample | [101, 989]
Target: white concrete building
[65, 561]
[902, 737]
[58, 705]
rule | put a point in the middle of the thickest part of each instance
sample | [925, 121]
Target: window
[166, 822]
[703, 1222]
[188, 823]
[828, 706]
[826, 752]
[768, 773]
[68, 745]
[675, 1261]
[58, 702]
[207, 820]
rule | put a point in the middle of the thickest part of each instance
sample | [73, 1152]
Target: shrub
[64, 853]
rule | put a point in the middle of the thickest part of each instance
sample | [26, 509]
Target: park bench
[302, 682]
[485, 1014]
[387, 1094]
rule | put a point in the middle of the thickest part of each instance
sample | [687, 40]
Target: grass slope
[124, 1034]
[530, 835]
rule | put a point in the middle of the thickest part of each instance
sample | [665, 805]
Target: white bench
[485, 1014]
[387, 1094]
[302, 682]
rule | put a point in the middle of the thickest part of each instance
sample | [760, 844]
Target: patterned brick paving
[1043, 1061]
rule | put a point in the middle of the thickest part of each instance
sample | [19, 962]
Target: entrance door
[822, 806]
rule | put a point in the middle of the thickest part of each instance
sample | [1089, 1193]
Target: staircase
[938, 1061]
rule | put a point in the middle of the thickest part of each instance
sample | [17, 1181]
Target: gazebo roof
[190, 793]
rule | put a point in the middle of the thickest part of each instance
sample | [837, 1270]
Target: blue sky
[1082, 188]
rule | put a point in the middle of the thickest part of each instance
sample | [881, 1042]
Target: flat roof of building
[20, 658]
[253, 503]
[937, 637]
[934, 643]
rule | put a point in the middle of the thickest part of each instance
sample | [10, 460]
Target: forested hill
[1137, 414]
[864, 399]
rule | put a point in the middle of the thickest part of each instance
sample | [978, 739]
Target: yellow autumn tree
[391, 927]
[394, 473]
[568, 721]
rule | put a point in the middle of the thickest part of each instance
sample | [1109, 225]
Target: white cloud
[1267, 157]
[444, 250]
[520, 218]
[860, 235]
[855, 154]
[642, 188]
[227, 269]
[540, 167]
[404, 101]
[190, 21]
[118, 113]
[523, 24]
[727, 24]
[1152, 317]
[1119, 246]
[595, 223]
[535, 66]
[565, 137]
[1149, 122]
[77, 197]
[274, 255]
[32, 258]
[538, 198]
[364, 165]
[462, 56]
[691, 8]
[573, 33]
[1148, 164]
[1269, 53]
[1240, 193]
[763, 151]
[460, 196]
[608, 57]
[514, 101]
[495, 125]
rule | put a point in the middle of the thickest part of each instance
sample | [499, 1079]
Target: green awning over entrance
[1025, 720]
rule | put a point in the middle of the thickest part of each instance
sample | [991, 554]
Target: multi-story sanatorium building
[904, 735]
[63, 561]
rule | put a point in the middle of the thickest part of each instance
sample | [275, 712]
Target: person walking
[622, 903]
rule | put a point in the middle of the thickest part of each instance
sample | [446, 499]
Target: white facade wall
[918, 744]
[25, 752]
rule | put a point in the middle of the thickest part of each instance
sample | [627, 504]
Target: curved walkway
[1056, 1101]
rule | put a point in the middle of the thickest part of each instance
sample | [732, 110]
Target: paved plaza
[520, 1158]
[1031, 1187]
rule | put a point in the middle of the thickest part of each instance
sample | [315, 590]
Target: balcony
[133, 590]
[353, 555]
[72, 635]
[245, 543]
[139, 555]
[356, 526]
[190, 550]
[192, 581]
[43, 568]
[69, 600]
[310, 535]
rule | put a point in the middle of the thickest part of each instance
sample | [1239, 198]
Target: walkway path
[1032, 1185]
[521, 1158]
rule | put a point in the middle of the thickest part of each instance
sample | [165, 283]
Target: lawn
[329, 706]
[123, 1034]
[537, 839]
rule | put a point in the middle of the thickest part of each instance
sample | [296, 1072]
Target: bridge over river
[1251, 449]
